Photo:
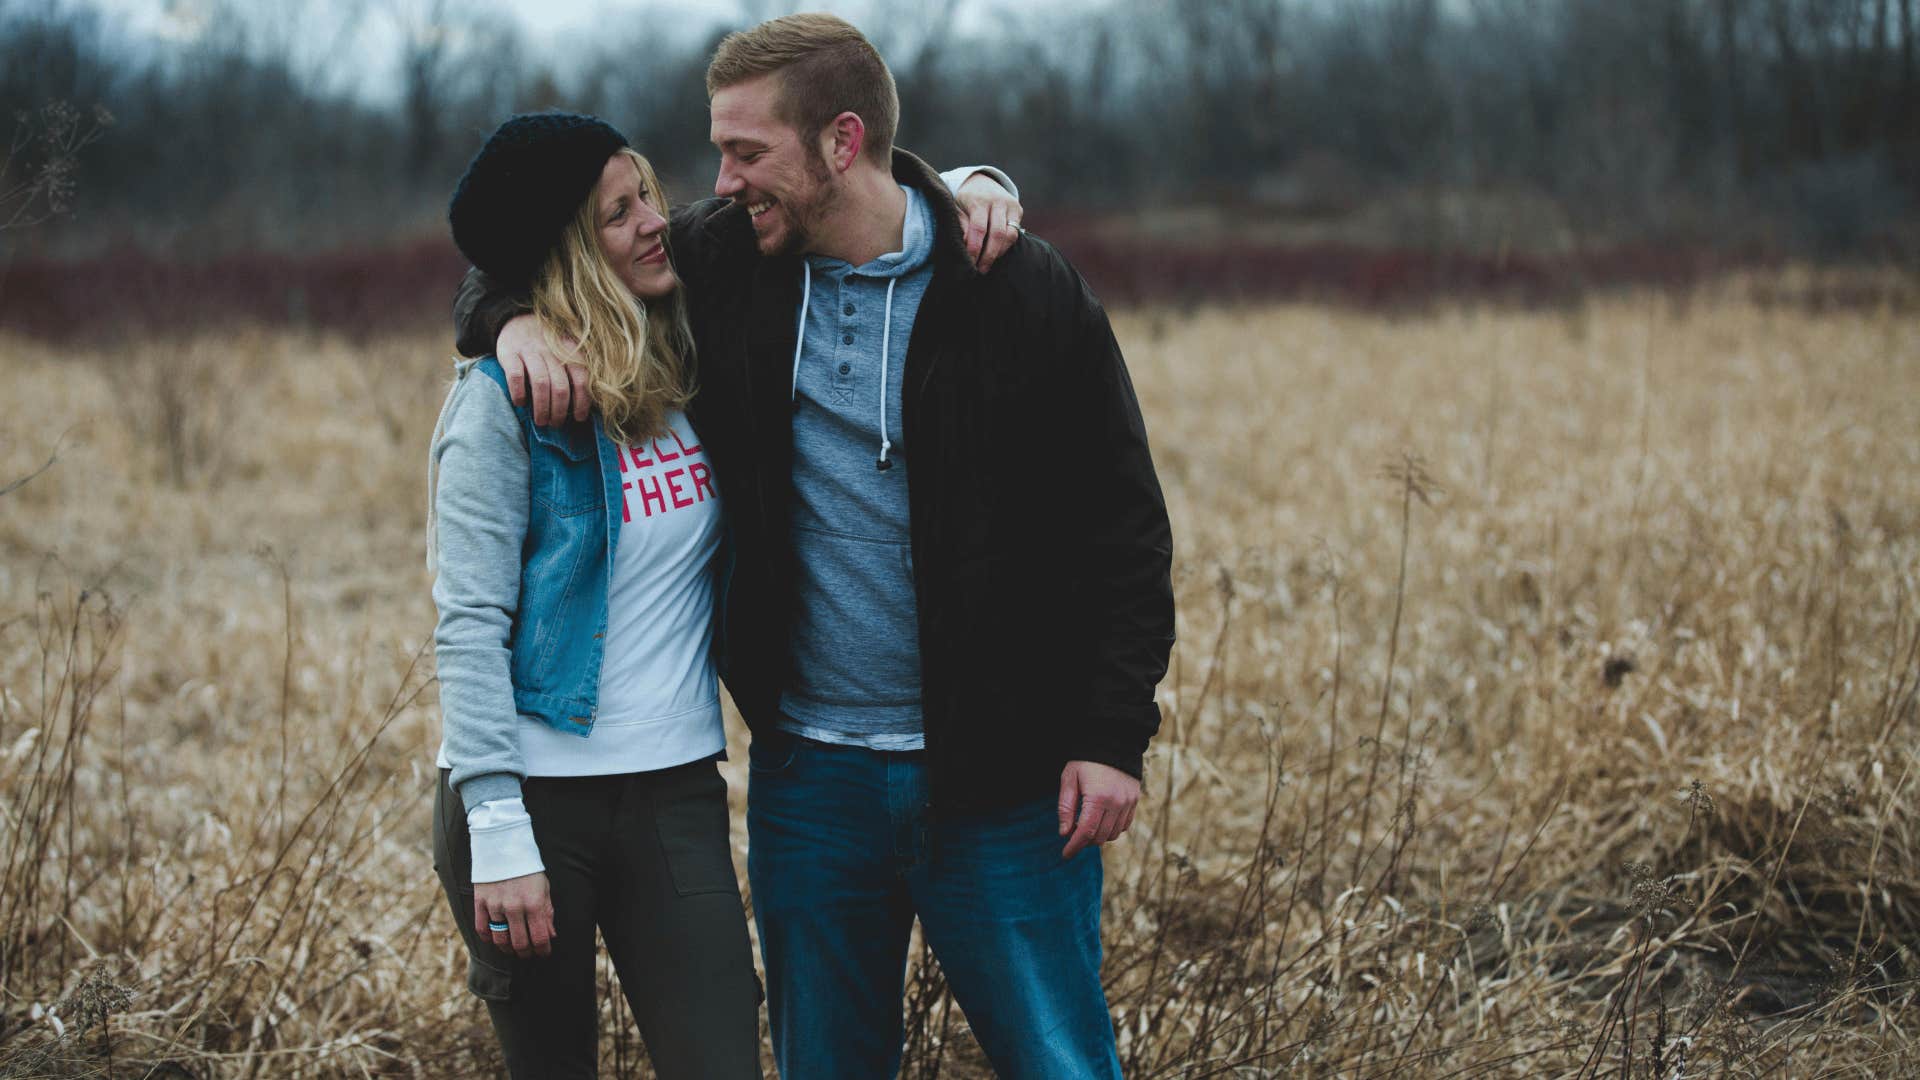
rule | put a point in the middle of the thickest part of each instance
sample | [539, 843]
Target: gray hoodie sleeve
[480, 505]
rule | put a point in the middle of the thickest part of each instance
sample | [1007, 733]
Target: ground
[1544, 702]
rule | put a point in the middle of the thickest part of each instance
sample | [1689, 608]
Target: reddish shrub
[364, 292]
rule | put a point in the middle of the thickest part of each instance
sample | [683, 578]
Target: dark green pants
[644, 857]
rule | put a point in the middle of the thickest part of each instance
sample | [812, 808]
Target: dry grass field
[1545, 705]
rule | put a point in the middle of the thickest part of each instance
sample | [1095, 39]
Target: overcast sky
[187, 18]
[370, 58]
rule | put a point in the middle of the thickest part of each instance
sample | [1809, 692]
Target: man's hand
[1102, 796]
[521, 903]
[555, 388]
[992, 218]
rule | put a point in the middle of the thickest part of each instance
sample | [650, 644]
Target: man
[947, 602]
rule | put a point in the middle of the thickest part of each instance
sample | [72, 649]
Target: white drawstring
[800, 338]
[886, 335]
[886, 346]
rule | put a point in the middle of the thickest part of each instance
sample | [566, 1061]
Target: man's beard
[803, 218]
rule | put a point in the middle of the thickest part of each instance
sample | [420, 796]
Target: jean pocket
[690, 814]
[488, 982]
[489, 971]
[451, 855]
[772, 751]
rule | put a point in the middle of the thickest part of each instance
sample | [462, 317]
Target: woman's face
[632, 231]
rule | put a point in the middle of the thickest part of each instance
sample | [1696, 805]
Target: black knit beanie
[511, 208]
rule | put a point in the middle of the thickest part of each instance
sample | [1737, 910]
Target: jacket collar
[949, 238]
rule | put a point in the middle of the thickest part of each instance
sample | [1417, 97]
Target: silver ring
[498, 927]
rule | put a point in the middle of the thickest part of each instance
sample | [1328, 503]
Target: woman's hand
[524, 906]
[991, 216]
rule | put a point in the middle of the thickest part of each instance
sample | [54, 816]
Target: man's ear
[842, 140]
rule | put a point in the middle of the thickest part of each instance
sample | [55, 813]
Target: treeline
[1780, 123]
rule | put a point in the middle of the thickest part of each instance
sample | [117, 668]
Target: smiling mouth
[754, 210]
[657, 255]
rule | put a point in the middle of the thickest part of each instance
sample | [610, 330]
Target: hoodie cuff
[488, 787]
[501, 835]
[953, 178]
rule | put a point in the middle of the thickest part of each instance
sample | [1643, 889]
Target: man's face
[768, 167]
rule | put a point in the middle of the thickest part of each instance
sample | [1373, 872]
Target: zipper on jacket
[613, 540]
[910, 411]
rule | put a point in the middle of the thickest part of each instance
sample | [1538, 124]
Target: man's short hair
[826, 67]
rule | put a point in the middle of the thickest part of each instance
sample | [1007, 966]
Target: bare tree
[1620, 110]
[1907, 30]
[425, 71]
[313, 40]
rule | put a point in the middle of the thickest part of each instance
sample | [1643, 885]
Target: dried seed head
[98, 996]
[1697, 798]
[1481, 918]
[1648, 895]
[1411, 476]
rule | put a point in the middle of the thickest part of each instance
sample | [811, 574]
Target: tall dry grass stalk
[1583, 743]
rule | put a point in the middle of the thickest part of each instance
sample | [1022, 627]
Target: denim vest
[573, 527]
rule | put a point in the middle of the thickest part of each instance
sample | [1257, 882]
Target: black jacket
[1040, 542]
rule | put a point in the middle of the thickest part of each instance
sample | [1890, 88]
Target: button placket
[843, 362]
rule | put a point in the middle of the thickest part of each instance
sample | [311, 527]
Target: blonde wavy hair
[638, 353]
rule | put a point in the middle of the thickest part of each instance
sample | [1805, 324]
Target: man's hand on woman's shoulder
[554, 388]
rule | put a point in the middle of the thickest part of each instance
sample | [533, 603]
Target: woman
[574, 580]
[574, 583]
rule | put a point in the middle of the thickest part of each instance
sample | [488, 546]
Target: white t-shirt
[659, 700]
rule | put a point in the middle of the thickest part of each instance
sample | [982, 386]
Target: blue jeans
[842, 855]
